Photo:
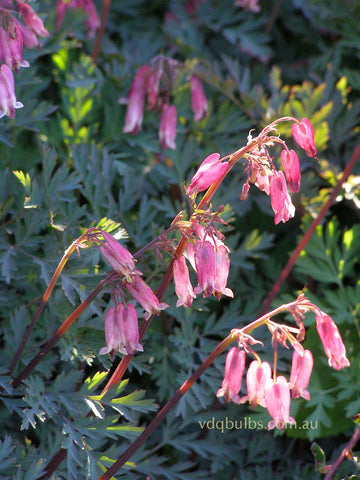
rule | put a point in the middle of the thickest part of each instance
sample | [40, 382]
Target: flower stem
[100, 32]
[168, 407]
[62, 329]
[125, 361]
[46, 296]
[187, 385]
[349, 446]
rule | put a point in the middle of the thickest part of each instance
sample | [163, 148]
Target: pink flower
[183, 287]
[262, 179]
[331, 340]
[210, 259]
[29, 38]
[291, 165]
[212, 268]
[153, 85]
[280, 199]
[198, 100]
[11, 46]
[119, 257]
[210, 170]
[222, 265]
[303, 134]
[92, 21]
[234, 369]
[143, 294]
[8, 102]
[205, 267]
[167, 130]
[61, 7]
[248, 5]
[136, 99]
[256, 379]
[32, 20]
[301, 368]
[245, 191]
[277, 400]
[121, 330]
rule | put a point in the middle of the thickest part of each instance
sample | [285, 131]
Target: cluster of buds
[263, 386]
[13, 36]
[121, 322]
[92, 21]
[156, 81]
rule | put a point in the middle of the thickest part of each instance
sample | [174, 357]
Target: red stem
[305, 239]
[54, 463]
[187, 385]
[62, 329]
[100, 32]
[125, 361]
[46, 296]
[166, 409]
[350, 445]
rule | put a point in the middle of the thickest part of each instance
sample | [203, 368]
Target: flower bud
[301, 367]
[136, 99]
[183, 287]
[118, 257]
[303, 134]
[143, 294]
[280, 199]
[234, 369]
[32, 20]
[167, 130]
[198, 100]
[332, 341]
[210, 170]
[277, 400]
[8, 102]
[291, 165]
[256, 379]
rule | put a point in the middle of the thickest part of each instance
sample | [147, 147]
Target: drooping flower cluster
[121, 322]
[92, 21]
[156, 81]
[264, 387]
[262, 173]
[209, 258]
[121, 330]
[13, 36]
[260, 169]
